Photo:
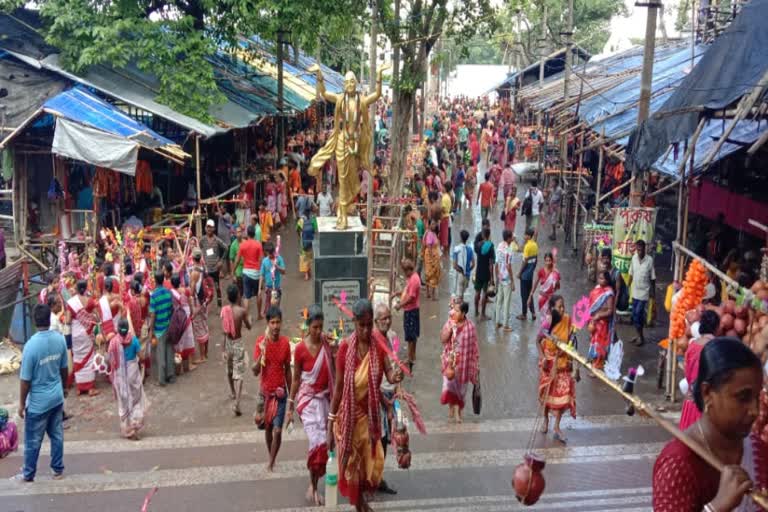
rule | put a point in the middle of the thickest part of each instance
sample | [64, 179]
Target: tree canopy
[591, 24]
[172, 39]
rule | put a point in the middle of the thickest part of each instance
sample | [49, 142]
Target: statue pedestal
[340, 264]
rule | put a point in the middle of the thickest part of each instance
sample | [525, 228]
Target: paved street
[202, 458]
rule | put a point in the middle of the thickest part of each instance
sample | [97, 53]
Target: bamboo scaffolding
[616, 189]
[758, 496]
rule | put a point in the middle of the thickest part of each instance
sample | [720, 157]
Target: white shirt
[642, 273]
[324, 201]
[503, 259]
[462, 253]
[537, 199]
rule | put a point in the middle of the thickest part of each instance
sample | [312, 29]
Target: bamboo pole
[616, 189]
[745, 106]
[578, 196]
[600, 164]
[758, 496]
[198, 212]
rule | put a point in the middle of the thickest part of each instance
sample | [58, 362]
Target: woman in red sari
[311, 388]
[726, 392]
[547, 281]
[708, 325]
[557, 387]
[461, 357]
[355, 418]
[601, 320]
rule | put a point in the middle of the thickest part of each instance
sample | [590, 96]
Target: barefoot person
[383, 320]
[557, 387]
[460, 359]
[272, 360]
[311, 388]
[124, 348]
[409, 303]
[82, 317]
[355, 417]
[233, 318]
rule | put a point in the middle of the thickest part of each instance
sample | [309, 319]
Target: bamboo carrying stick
[759, 496]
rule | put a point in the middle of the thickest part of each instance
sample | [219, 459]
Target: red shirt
[303, 359]
[278, 354]
[252, 253]
[413, 289]
[486, 194]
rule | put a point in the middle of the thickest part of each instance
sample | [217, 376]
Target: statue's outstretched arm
[375, 95]
[327, 96]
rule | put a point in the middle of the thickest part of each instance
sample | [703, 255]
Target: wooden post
[578, 196]
[600, 164]
[198, 214]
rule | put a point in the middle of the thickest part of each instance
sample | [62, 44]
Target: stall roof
[553, 63]
[734, 64]
[250, 85]
[26, 90]
[79, 105]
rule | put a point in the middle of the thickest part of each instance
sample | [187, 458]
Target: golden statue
[351, 139]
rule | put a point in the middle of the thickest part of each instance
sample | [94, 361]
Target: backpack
[307, 234]
[178, 323]
[527, 207]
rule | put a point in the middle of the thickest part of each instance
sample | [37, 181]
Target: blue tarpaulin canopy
[90, 129]
[81, 106]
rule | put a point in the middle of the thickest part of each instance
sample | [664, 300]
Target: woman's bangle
[331, 416]
[709, 508]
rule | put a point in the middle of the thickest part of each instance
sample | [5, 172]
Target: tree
[172, 39]
[591, 20]
[421, 23]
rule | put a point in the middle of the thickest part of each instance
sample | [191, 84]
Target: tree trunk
[404, 101]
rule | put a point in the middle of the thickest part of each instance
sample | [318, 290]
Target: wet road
[202, 458]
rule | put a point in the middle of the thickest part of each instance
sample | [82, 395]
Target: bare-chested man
[233, 317]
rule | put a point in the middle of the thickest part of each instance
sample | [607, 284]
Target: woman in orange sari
[601, 320]
[355, 418]
[431, 256]
[557, 387]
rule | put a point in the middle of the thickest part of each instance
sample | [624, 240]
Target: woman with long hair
[311, 387]
[726, 392]
[557, 387]
[601, 319]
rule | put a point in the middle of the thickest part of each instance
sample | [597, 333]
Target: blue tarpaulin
[81, 106]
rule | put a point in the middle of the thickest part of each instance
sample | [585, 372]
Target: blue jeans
[35, 427]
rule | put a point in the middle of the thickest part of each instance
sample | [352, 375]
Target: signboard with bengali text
[629, 226]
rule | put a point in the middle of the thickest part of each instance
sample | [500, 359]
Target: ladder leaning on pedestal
[391, 243]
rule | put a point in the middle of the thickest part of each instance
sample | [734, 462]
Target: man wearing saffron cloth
[272, 360]
[355, 417]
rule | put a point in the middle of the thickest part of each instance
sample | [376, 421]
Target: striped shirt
[161, 304]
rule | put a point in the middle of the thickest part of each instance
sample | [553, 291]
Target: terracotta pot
[527, 480]
[449, 372]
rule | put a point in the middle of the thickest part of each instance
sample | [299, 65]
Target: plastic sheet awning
[90, 129]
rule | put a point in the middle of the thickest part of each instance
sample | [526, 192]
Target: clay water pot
[449, 372]
[527, 480]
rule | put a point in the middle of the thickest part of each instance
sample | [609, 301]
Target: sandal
[561, 438]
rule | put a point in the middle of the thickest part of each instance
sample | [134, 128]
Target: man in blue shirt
[272, 270]
[463, 262]
[160, 310]
[41, 396]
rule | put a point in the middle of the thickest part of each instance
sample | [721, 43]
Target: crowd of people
[150, 315]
